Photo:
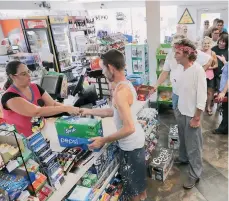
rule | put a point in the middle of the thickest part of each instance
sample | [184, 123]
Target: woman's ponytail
[7, 84]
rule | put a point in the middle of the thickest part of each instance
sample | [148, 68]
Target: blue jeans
[175, 101]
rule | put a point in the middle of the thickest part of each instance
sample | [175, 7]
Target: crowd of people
[199, 77]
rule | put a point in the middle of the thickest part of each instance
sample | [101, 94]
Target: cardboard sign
[35, 24]
[186, 18]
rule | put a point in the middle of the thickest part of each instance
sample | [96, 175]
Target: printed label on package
[71, 141]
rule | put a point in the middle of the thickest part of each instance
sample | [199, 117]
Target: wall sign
[58, 19]
[35, 24]
[101, 17]
[186, 18]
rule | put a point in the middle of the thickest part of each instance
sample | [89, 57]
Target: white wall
[34, 5]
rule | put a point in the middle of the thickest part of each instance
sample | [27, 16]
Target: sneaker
[178, 161]
[190, 183]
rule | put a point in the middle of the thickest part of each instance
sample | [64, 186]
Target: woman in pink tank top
[20, 102]
[206, 48]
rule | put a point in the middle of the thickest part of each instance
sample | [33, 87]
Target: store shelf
[72, 178]
[164, 102]
[96, 197]
[65, 59]
[165, 88]
[67, 68]
[161, 56]
[166, 45]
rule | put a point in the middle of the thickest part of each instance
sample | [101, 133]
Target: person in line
[220, 25]
[206, 48]
[171, 66]
[130, 135]
[220, 49]
[192, 100]
[206, 28]
[223, 127]
[215, 36]
[20, 102]
[214, 25]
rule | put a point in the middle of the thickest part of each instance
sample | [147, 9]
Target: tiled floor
[213, 185]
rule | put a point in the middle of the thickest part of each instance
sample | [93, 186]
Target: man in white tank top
[130, 135]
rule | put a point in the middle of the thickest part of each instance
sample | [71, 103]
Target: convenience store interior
[65, 38]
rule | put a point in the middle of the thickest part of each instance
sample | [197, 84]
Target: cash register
[84, 96]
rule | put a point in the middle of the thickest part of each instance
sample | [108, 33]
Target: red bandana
[185, 49]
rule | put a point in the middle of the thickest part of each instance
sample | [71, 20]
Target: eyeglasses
[24, 74]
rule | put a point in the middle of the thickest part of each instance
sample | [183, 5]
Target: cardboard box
[11, 140]
[159, 169]
[173, 137]
[74, 131]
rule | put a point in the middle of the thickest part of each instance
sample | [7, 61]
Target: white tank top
[137, 139]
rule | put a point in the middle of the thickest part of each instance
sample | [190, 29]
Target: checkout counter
[49, 131]
[81, 97]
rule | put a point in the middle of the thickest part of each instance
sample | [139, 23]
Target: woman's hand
[222, 58]
[73, 110]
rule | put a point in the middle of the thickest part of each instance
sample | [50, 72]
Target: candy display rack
[13, 164]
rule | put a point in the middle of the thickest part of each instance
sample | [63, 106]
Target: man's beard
[110, 77]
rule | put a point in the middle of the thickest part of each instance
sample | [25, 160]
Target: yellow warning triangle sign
[186, 18]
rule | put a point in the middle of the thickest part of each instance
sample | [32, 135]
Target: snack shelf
[72, 178]
[166, 102]
[161, 56]
[165, 88]
[96, 197]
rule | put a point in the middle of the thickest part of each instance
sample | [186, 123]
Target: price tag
[12, 165]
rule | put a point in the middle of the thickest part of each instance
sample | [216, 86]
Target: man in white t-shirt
[175, 69]
[192, 92]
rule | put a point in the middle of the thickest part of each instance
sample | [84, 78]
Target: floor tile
[214, 188]
[215, 150]
[208, 171]
[186, 195]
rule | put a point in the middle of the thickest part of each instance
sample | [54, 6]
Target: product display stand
[164, 90]
[23, 161]
[137, 61]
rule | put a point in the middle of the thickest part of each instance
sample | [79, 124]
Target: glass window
[168, 22]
